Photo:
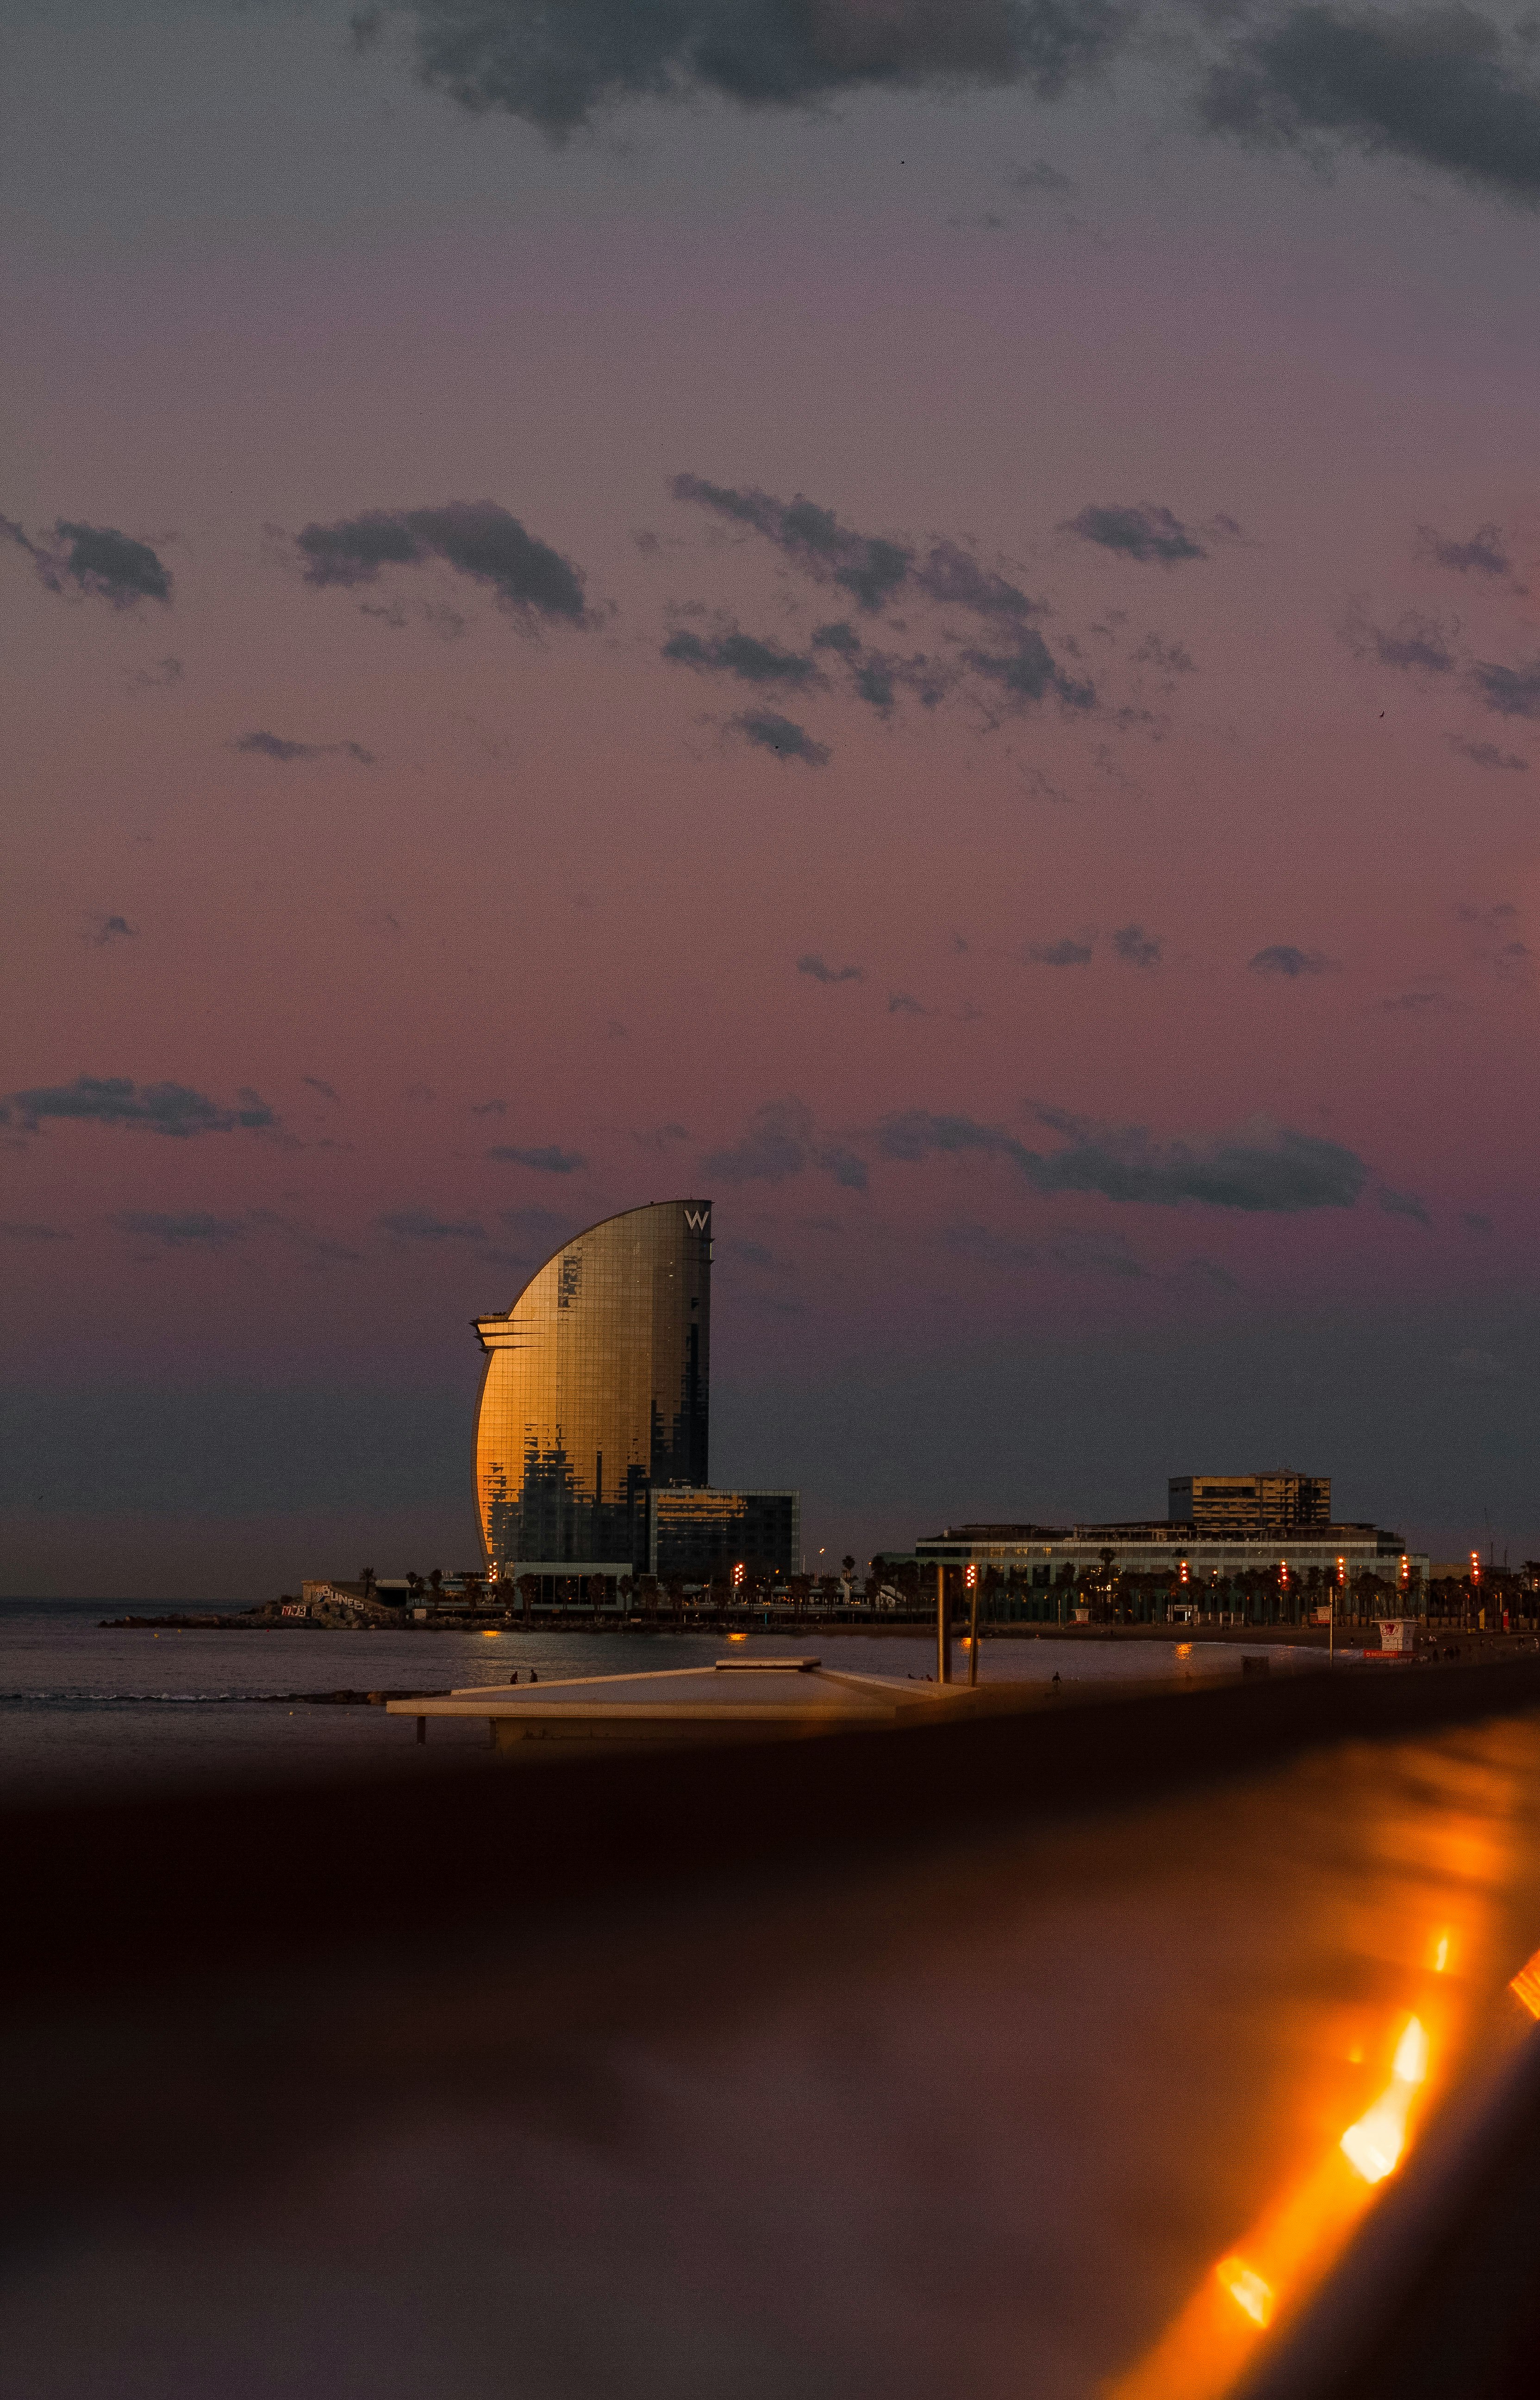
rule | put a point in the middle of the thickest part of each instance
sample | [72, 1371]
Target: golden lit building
[598, 1388]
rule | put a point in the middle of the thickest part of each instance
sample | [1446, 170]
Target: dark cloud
[869, 567]
[747, 1253]
[160, 1107]
[1482, 554]
[178, 1232]
[768, 731]
[555, 66]
[904, 1004]
[1495, 938]
[743, 655]
[1027, 670]
[1136, 948]
[1435, 85]
[489, 1107]
[820, 971]
[421, 1225]
[1260, 1170]
[874, 568]
[1148, 533]
[1169, 659]
[296, 1234]
[1474, 1222]
[98, 560]
[1403, 1203]
[276, 745]
[1507, 691]
[877, 676]
[325, 1090]
[661, 1138]
[953, 577]
[1039, 177]
[1487, 754]
[34, 1233]
[1415, 644]
[546, 1161]
[160, 677]
[1072, 952]
[782, 1142]
[1285, 959]
[877, 570]
[475, 537]
[112, 929]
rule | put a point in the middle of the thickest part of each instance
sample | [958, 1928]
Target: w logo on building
[696, 1219]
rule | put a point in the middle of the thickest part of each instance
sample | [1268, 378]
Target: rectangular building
[1250, 1508]
[694, 1532]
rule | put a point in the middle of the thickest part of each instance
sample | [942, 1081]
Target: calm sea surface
[81, 1705]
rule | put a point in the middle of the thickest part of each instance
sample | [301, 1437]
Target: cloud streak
[546, 1159]
[1261, 1170]
[1439, 85]
[1149, 534]
[743, 655]
[782, 1142]
[1285, 959]
[191, 1230]
[812, 963]
[97, 561]
[558, 67]
[172, 1109]
[1005, 656]
[279, 747]
[530, 581]
[764, 730]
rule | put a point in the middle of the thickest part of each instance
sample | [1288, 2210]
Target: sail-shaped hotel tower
[598, 1390]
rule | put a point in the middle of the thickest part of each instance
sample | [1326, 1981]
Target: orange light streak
[1208, 2348]
[1526, 1985]
[1374, 2144]
[1246, 2288]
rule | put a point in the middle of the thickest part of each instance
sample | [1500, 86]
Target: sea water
[86, 1705]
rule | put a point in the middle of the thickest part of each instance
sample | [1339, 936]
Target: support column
[943, 1629]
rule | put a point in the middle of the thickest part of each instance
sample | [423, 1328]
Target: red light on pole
[737, 1575]
[1405, 1569]
[1476, 1566]
[1342, 1570]
[970, 1577]
[1181, 1570]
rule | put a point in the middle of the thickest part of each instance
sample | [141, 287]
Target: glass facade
[597, 1387]
[697, 1535]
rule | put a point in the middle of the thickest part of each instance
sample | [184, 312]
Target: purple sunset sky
[920, 619]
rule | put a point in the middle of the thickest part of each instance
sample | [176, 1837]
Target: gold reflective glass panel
[597, 1384]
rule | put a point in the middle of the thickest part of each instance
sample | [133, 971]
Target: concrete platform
[737, 1699]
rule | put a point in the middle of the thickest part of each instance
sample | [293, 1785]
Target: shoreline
[1350, 1632]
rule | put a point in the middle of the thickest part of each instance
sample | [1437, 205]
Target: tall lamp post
[943, 1629]
[971, 1579]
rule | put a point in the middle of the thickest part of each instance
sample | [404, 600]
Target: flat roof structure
[735, 1699]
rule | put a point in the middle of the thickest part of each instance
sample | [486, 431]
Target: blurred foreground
[1053, 2056]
